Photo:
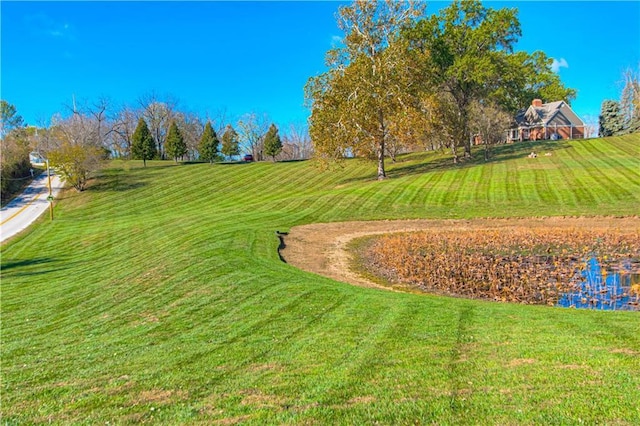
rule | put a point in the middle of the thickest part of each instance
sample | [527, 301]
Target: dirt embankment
[321, 248]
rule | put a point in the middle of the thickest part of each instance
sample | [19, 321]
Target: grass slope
[157, 296]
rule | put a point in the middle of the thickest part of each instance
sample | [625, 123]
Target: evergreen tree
[175, 145]
[611, 119]
[9, 119]
[143, 147]
[230, 144]
[209, 143]
[272, 142]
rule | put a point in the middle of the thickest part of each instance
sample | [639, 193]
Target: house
[36, 159]
[555, 120]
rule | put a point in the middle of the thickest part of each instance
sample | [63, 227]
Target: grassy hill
[157, 296]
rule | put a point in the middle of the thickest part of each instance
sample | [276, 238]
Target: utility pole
[50, 197]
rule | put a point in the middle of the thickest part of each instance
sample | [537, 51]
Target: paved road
[27, 207]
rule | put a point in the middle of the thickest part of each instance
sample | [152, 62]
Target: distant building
[36, 159]
[555, 120]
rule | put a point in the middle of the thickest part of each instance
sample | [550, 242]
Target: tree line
[400, 80]
[14, 153]
[79, 141]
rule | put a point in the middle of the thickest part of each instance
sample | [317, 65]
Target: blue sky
[242, 57]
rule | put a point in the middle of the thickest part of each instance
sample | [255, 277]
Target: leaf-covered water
[552, 266]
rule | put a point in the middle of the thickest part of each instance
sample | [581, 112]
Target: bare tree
[251, 130]
[43, 141]
[78, 151]
[94, 115]
[630, 100]
[488, 125]
[296, 143]
[591, 125]
[124, 124]
[99, 111]
[219, 119]
[158, 113]
[191, 127]
[77, 129]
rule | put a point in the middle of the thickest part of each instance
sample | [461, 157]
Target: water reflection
[605, 288]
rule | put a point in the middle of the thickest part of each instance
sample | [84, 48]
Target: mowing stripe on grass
[629, 171]
[581, 193]
[546, 193]
[160, 287]
[594, 172]
[511, 182]
[431, 190]
[418, 188]
[456, 183]
[483, 184]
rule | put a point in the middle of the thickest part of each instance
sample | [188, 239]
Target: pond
[602, 287]
[578, 268]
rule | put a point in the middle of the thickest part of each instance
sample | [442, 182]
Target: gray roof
[548, 115]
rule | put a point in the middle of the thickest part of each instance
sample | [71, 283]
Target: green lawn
[157, 296]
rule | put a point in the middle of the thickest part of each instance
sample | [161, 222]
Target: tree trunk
[467, 148]
[381, 174]
[381, 145]
[454, 151]
[463, 122]
[467, 137]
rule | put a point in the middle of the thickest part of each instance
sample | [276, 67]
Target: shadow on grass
[138, 166]
[190, 163]
[128, 175]
[115, 182]
[421, 163]
[267, 161]
[298, 160]
[232, 162]
[28, 267]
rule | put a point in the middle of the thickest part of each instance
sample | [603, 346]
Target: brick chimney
[537, 103]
